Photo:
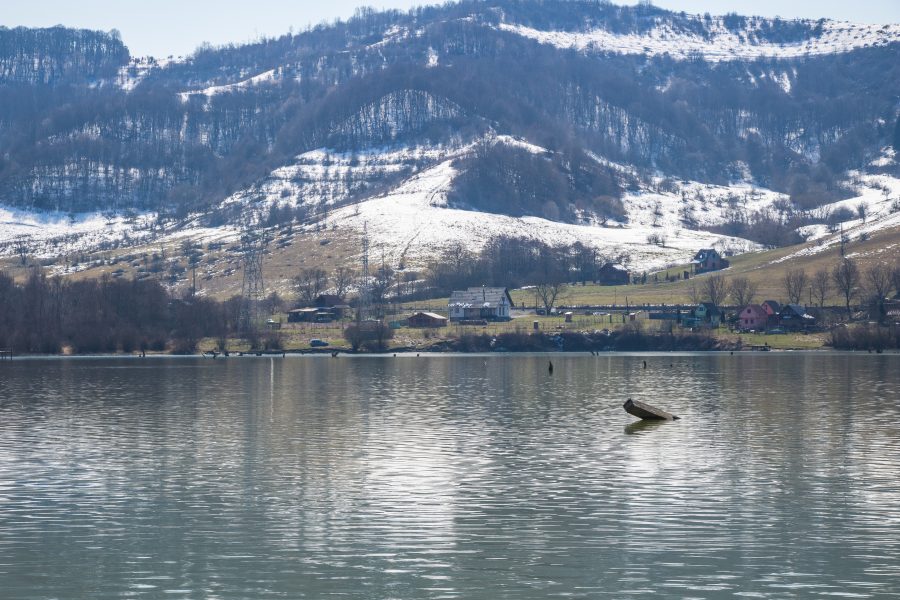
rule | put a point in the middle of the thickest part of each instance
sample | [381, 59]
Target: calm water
[450, 477]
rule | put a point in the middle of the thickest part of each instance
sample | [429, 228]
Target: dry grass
[765, 269]
[219, 275]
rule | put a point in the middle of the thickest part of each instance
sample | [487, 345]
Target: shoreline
[421, 353]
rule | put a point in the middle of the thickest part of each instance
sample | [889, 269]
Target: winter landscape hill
[642, 133]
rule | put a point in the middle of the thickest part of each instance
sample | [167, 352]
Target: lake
[473, 477]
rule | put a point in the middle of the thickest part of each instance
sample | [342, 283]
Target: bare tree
[343, 279]
[694, 293]
[742, 291]
[272, 304]
[548, 292]
[821, 286]
[21, 245]
[380, 286]
[193, 254]
[309, 284]
[878, 286]
[410, 278]
[846, 280]
[795, 282]
[715, 289]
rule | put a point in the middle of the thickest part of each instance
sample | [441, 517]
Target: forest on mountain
[74, 139]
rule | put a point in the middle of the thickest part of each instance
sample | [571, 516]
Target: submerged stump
[642, 410]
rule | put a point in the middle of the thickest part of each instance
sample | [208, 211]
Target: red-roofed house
[754, 317]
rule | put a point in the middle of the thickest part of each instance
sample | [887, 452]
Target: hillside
[643, 133]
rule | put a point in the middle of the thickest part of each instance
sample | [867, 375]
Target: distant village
[841, 307]
[714, 306]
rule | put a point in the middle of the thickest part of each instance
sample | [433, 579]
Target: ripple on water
[450, 477]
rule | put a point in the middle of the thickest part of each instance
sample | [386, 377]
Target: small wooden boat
[644, 411]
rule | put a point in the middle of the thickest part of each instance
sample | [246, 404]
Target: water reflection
[450, 477]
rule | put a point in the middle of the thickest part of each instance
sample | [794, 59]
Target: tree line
[58, 55]
[51, 315]
[846, 282]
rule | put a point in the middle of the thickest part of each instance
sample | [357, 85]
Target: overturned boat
[642, 410]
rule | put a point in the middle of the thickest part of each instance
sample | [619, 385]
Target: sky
[177, 27]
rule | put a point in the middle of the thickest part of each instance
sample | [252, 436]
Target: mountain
[642, 132]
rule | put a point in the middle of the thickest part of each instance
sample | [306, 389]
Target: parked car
[317, 343]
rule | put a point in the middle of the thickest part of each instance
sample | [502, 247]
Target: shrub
[369, 335]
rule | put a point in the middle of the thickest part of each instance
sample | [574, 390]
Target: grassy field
[297, 336]
[765, 269]
[219, 274]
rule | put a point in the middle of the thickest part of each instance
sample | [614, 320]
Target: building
[753, 318]
[793, 317]
[705, 314]
[707, 260]
[422, 320]
[310, 315]
[772, 308]
[613, 274]
[483, 303]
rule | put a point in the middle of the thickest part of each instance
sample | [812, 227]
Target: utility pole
[365, 298]
[253, 289]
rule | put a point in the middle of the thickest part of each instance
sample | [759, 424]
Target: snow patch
[433, 58]
[54, 234]
[267, 77]
[722, 45]
[412, 224]
[138, 68]
[888, 158]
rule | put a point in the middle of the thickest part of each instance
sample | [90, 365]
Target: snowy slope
[325, 178]
[51, 235]
[722, 45]
[408, 218]
[880, 195]
[413, 223]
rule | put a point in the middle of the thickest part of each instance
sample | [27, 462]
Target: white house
[490, 304]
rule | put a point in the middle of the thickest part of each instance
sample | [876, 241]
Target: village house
[892, 312]
[794, 317]
[482, 303]
[753, 318]
[310, 315]
[613, 274]
[425, 320]
[705, 314]
[707, 260]
[772, 308]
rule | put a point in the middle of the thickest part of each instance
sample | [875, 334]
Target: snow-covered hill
[452, 125]
[717, 42]
[409, 220]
